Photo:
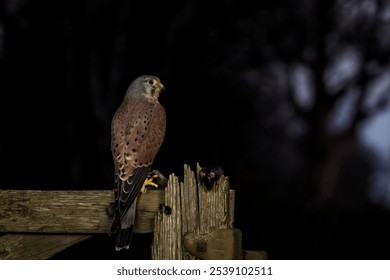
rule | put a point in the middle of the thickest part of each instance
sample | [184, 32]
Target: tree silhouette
[329, 61]
[350, 60]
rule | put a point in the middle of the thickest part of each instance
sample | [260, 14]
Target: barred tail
[123, 228]
[123, 238]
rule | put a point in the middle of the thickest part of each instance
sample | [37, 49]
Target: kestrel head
[147, 86]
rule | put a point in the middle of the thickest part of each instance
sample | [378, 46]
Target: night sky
[277, 93]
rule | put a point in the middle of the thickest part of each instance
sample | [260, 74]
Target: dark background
[277, 93]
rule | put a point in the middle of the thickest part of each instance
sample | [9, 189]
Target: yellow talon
[149, 182]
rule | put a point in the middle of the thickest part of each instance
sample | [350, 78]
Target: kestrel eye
[151, 82]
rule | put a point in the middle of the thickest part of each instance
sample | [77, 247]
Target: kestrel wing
[138, 130]
[154, 136]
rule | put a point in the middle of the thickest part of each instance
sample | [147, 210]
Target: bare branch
[298, 109]
[380, 105]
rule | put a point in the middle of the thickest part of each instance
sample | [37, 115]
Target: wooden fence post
[192, 218]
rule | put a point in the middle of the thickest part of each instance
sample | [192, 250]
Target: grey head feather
[138, 86]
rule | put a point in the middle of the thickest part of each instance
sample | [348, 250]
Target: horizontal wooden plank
[35, 246]
[55, 211]
[86, 212]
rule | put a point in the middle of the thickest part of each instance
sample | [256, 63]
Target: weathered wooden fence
[189, 221]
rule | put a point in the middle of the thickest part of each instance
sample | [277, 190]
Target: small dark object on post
[209, 175]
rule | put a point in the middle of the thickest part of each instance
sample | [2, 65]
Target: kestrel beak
[162, 87]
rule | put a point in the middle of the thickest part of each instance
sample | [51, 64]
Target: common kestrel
[137, 131]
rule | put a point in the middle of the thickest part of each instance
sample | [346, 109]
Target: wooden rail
[75, 212]
[41, 224]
